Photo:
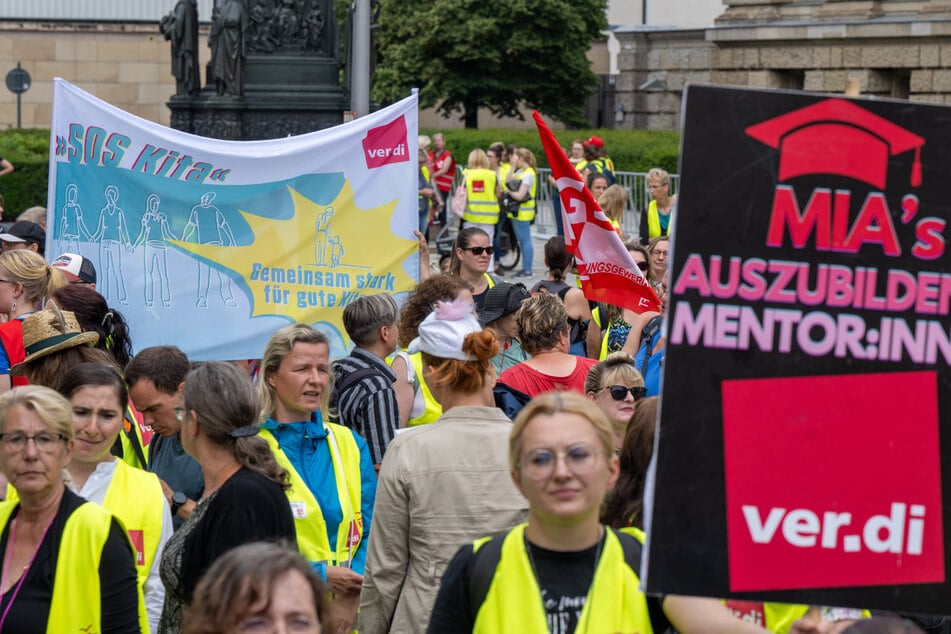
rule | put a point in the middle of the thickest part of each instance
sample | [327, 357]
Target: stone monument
[273, 70]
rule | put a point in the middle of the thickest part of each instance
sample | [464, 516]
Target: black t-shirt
[564, 579]
[30, 610]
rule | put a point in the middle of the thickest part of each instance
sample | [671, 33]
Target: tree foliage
[496, 54]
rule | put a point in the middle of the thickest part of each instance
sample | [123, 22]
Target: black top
[117, 579]
[247, 508]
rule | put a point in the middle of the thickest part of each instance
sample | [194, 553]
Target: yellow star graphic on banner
[309, 267]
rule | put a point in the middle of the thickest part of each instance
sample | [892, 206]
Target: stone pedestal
[290, 72]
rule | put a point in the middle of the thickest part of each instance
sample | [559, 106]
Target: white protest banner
[212, 245]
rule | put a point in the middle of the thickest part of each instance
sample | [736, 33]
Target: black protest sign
[800, 455]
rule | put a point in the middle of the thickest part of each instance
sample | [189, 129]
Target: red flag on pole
[608, 273]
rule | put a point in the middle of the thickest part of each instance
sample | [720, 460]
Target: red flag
[608, 273]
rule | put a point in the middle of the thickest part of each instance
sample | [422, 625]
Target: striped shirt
[369, 405]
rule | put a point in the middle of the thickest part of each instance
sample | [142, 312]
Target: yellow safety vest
[653, 221]
[482, 206]
[514, 601]
[312, 535]
[433, 409]
[76, 605]
[136, 498]
[526, 210]
[129, 455]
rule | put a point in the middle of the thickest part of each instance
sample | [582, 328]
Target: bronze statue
[180, 27]
[229, 47]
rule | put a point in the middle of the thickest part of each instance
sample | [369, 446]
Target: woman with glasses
[615, 386]
[471, 256]
[655, 219]
[441, 485]
[658, 249]
[563, 566]
[25, 281]
[67, 564]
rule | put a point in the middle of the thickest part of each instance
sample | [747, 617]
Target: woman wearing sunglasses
[471, 255]
[615, 386]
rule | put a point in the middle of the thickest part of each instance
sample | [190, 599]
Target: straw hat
[49, 331]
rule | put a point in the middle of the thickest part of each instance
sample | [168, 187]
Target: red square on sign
[833, 481]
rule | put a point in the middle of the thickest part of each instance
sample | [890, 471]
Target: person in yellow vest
[417, 405]
[333, 483]
[471, 256]
[563, 570]
[98, 396]
[482, 191]
[68, 564]
[522, 185]
[655, 220]
[243, 500]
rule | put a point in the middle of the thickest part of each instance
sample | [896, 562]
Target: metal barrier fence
[635, 183]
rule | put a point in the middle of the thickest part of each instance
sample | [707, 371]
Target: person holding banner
[471, 256]
[333, 483]
[563, 566]
[522, 184]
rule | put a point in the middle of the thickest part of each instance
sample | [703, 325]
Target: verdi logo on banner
[386, 144]
[808, 355]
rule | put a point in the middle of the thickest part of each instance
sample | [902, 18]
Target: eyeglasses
[478, 250]
[539, 464]
[643, 266]
[657, 253]
[619, 392]
[46, 442]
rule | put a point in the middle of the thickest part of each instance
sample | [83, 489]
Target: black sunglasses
[643, 266]
[478, 250]
[619, 392]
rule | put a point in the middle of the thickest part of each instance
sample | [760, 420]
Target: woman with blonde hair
[656, 217]
[616, 386]
[427, 517]
[333, 482]
[25, 282]
[612, 203]
[563, 565]
[522, 185]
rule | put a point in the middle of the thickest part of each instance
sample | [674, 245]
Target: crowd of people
[476, 463]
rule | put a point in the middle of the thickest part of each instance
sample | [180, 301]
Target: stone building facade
[889, 48]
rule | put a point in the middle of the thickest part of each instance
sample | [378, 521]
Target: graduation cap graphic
[836, 136]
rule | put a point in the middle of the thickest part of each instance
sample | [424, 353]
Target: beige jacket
[441, 486]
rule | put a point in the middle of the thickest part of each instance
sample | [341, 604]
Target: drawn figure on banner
[323, 239]
[336, 252]
[72, 229]
[112, 234]
[153, 234]
[210, 227]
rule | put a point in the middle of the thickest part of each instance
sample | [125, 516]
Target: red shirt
[526, 379]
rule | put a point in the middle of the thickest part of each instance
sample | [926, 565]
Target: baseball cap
[595, 140]
[76, 268]
[502, 299]
[25, 231]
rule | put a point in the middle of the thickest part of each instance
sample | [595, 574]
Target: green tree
[497, 54]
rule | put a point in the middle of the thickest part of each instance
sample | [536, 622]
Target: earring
[179, 414]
